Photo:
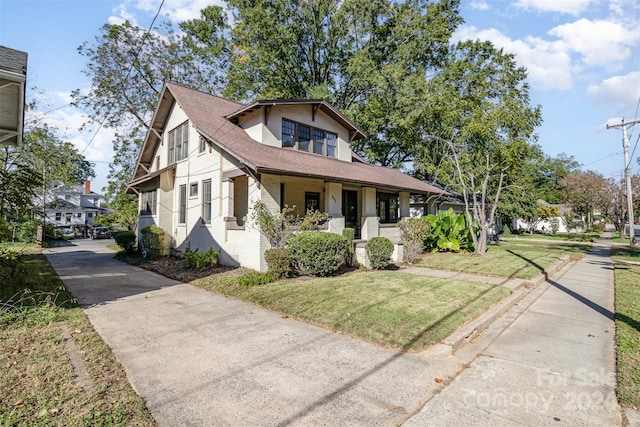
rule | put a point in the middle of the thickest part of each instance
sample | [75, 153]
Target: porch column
[405, 204]
[227, 199]
[333, 206]
[369, 217]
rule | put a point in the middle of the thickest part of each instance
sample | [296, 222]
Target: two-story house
[77, 206]
[205, 160]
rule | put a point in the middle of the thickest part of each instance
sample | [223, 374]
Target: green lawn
[561, 237]
[627, 279]
[627, 253]
[38, 380]
[392, 309]
[515, 259]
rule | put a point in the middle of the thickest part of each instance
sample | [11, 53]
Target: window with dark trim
[206, 201]
[309, 139]
[179, 143]
[182, 212]
[387, 206]
[193, 189]
[58, 216]
[311, 201]
[149, 199]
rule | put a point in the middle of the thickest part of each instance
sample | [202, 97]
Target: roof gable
[212, 117]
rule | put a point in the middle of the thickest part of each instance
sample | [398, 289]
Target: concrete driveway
[199, 358]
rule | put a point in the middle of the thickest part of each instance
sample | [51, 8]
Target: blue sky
[583, 59]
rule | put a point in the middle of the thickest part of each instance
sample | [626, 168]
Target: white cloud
[571, 7]
[548, 63]
[122, 15]
[622, 92]
[479, 5]
[177, 10]
[599, 43]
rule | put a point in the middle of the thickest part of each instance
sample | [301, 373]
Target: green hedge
[318, 254]
[379, 250]
[279, 263]
[126, 240]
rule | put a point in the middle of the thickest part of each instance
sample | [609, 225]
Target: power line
[135, 58]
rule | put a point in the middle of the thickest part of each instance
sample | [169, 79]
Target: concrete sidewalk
[548, 361]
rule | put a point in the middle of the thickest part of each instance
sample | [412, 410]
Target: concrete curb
[467, 332]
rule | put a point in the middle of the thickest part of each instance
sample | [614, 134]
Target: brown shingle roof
[207, 113]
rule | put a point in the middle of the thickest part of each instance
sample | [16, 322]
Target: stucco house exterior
[206, 160]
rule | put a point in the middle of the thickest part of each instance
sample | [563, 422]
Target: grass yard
[627, 279]
[514, 259]
[625, 253]
[40, 325]
[396, 310]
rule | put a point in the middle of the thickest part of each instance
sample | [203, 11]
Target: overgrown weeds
[39, 383]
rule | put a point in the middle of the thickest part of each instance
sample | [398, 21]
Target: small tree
[413, 232]
[278, 227]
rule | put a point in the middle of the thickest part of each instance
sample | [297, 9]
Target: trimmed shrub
[350, 235]
[255, 279]
[279, 263]
[126, 240]
[379, 250]
[154, 241]
[318, 254]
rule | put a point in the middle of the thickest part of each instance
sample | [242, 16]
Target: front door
[350, 209]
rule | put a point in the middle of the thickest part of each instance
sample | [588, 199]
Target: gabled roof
[212, 117]
[355, 132]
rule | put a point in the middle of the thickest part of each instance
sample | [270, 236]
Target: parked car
[64, 232]
[100, 233]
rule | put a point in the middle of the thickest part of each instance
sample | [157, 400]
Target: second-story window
[306, 138]
[179, 143]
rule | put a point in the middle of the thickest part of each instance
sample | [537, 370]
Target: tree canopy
[457, 113]
[42, 162]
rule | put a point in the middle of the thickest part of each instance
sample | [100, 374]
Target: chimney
[87, 186]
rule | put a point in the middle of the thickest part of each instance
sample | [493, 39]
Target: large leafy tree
[128, 66]
[584, 192]
[539, 179]
[368, 58]
[41, 163]
[485, 123]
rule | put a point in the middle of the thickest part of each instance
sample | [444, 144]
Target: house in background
[13, 81]
[77, 206]
[206, 160]
[545, 226]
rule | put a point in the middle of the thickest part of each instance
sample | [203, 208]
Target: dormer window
[309, 139]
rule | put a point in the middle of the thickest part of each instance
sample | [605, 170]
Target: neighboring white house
[545, 226]
[77, 206]
[206, 159]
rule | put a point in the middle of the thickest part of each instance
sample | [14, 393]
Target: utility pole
[625, 145]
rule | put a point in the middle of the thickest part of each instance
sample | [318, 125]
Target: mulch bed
[173, 268]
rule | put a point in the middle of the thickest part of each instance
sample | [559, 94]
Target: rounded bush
[379, 250]
[316, 253]
[279, 262]
[126, 240]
